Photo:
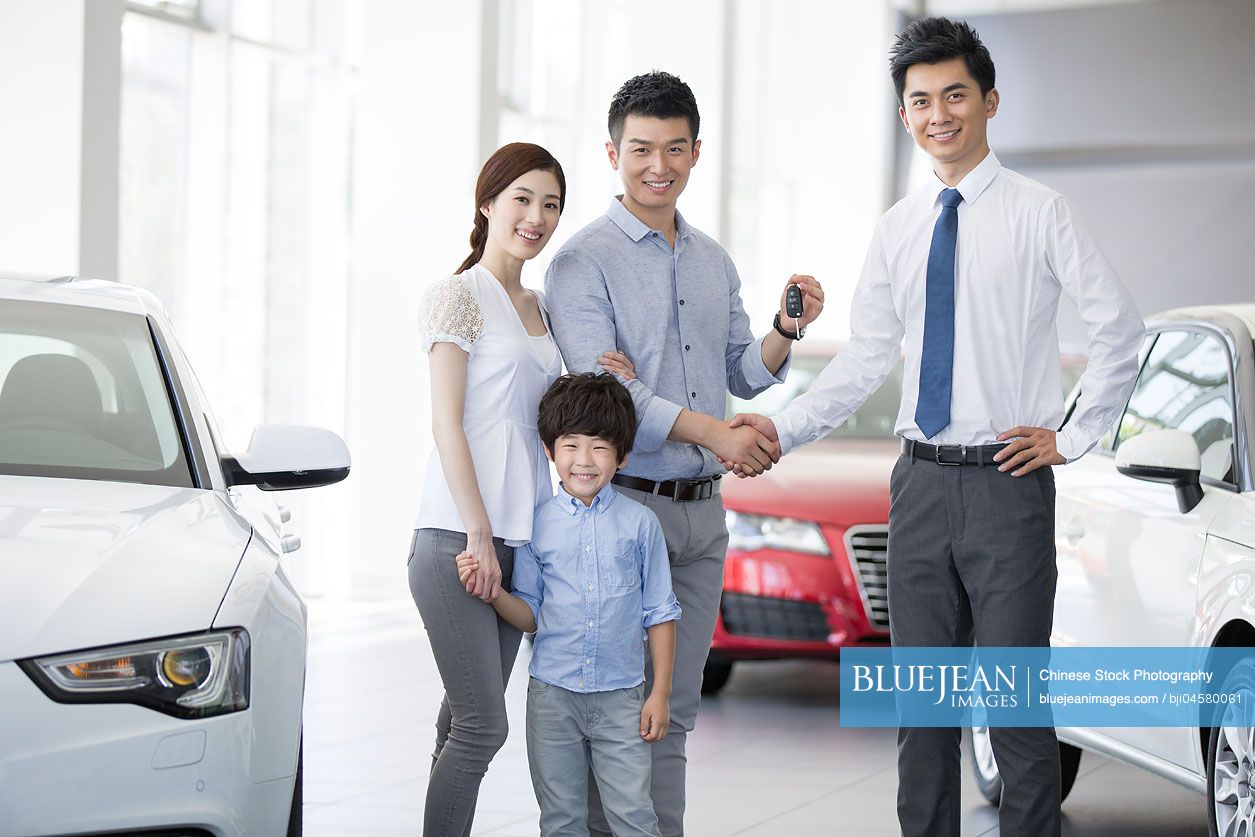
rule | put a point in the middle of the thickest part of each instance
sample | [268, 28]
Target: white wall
[59, 61]
[416, 160]
[1138, 114]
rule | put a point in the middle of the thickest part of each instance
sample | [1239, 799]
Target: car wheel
[1231, 758]
[715, 675]
[989, 780]
[298, 801]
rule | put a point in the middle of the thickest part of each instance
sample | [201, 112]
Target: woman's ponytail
[479, 237]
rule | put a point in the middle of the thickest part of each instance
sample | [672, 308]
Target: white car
[1155, 533]
[152, 647]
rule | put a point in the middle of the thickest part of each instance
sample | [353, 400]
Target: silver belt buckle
[962, 456]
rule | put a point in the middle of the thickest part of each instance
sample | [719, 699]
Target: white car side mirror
[282, 456]
[1167, 456]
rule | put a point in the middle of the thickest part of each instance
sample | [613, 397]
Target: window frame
[1223, 337]
[193, 451]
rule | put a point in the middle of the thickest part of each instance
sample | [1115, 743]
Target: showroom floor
[767, 757]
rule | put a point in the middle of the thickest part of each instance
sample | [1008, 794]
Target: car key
[793, 301]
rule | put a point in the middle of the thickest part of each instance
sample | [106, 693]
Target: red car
[805, 571]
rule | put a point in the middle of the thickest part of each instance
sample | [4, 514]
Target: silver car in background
[1155, 532]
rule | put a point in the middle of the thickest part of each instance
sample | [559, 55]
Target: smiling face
[946, 114]
[654, 159]
[585, 464]
[523, 217]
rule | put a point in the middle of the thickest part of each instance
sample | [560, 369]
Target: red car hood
[836, 482]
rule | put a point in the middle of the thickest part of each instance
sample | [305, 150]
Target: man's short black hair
[589, 404]
[657, 94]
[931, 40]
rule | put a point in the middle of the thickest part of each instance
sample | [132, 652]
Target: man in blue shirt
[642, 280]
[592, 584]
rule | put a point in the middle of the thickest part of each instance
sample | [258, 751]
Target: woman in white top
[491, 358]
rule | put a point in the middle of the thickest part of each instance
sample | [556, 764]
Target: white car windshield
[83, 396]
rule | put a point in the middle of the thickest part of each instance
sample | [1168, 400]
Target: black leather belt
[979, 455]
[681, 491]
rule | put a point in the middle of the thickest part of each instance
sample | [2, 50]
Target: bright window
[235, 183]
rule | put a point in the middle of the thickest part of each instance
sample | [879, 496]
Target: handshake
[747, 445]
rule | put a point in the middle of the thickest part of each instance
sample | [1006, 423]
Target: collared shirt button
[590, 624]
[590, 588]
[588, 549]
[588, 661]
[693, 394]
[681, 302]
[686, 347]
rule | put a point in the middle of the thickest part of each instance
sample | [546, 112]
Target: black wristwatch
[787, 334]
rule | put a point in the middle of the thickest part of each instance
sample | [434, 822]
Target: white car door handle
[1073, 530]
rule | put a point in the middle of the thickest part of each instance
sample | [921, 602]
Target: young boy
[593, 582]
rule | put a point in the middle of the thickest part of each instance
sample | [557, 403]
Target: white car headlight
[748, 532]
[188, 677]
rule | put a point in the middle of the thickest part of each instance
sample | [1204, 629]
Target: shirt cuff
[533, 604]
[1071, 444]
[668, 611]
[784, 429]
[655, 425]
[756, 373]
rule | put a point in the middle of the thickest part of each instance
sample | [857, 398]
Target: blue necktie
[936, 365]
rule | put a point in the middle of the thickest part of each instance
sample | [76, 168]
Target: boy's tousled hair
[657, 94]
[589, 404]
[931, 40]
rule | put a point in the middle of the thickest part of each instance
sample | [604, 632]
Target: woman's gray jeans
[474, 650]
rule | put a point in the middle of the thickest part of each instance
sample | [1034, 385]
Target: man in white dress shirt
[964, 275]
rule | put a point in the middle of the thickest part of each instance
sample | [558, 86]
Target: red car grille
[771, 618]
[866, 546]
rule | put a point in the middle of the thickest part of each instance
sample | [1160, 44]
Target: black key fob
[793, 301]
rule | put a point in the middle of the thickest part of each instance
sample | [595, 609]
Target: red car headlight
[748, 532]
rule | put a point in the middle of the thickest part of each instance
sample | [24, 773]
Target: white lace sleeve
[449, 313]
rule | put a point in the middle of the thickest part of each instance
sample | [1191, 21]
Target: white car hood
[86, 563]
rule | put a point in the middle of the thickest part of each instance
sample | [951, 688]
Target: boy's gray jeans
[697, 540]
[571, 736]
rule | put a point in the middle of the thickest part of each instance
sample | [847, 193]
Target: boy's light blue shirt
[595, 578]
[676, 313]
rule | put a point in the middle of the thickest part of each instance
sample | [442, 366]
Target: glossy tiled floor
[767, 758]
